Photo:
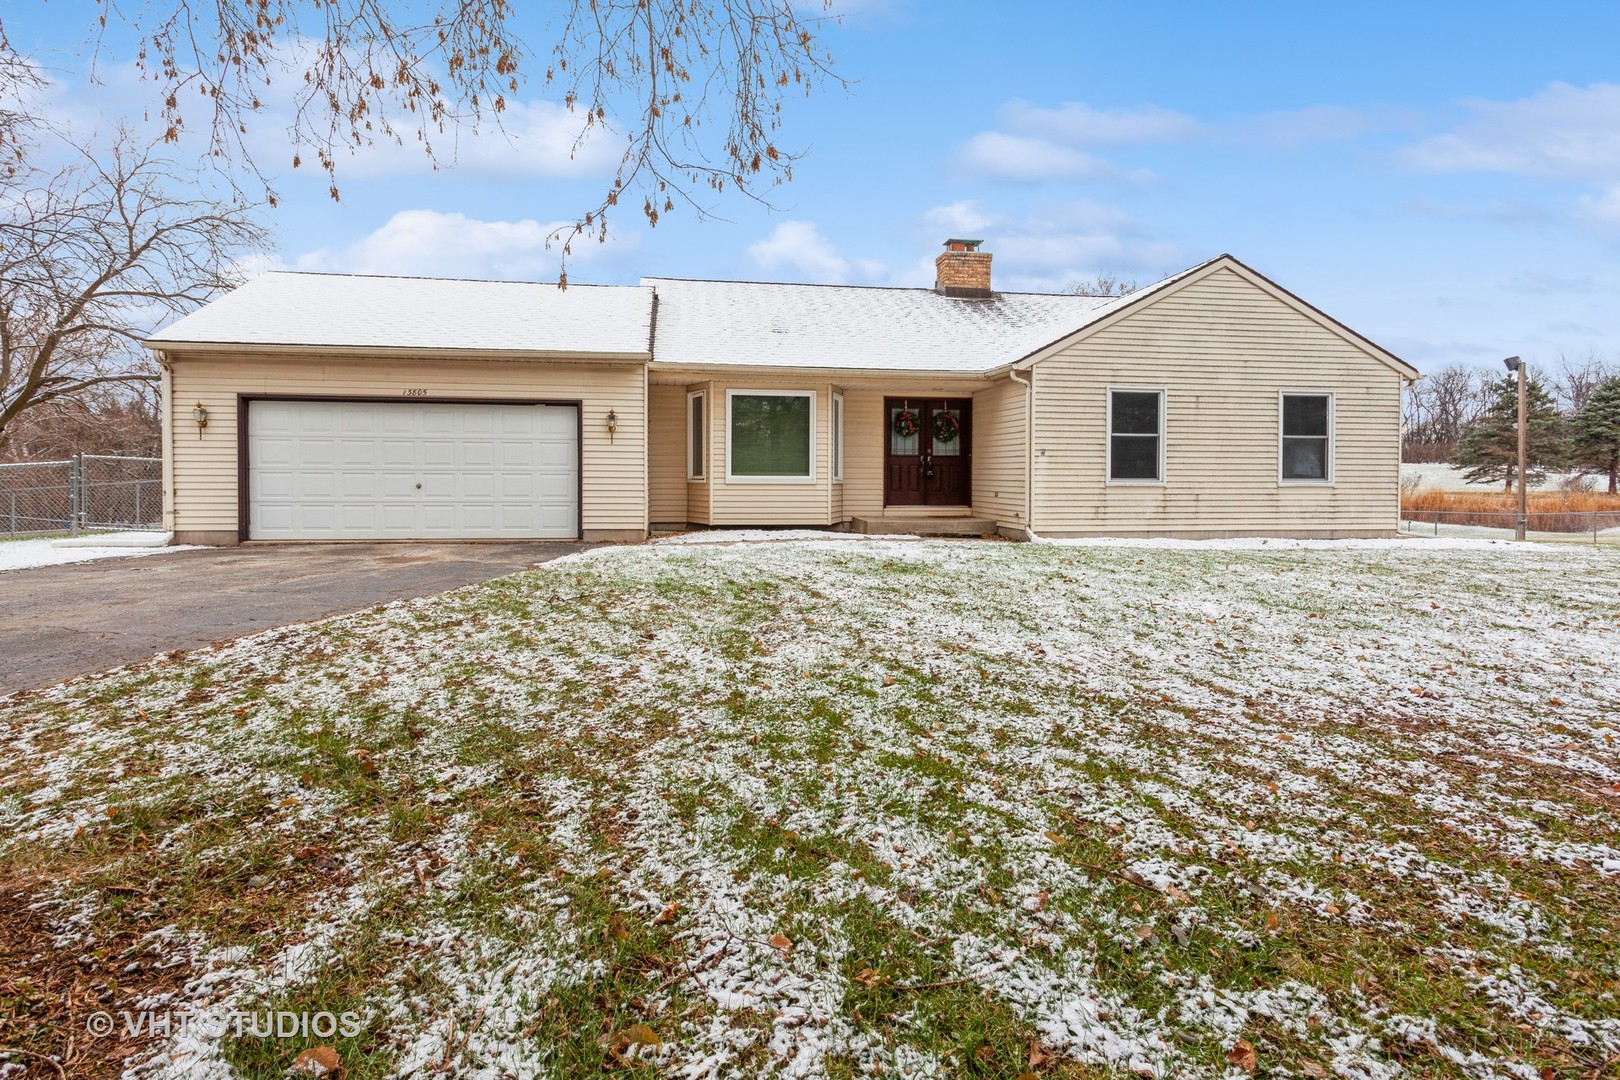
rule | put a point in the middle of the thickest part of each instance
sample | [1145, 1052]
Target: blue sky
[1445, 178]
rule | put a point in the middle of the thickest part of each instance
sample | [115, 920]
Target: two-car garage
[410, 470]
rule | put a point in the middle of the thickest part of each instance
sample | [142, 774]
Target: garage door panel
[405, 470]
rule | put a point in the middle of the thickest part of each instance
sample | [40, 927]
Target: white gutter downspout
[166, 410]
[1029, 456]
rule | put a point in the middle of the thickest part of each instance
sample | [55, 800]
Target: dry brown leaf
[318, 1061]
[1243, 1056]
[1271, 920]
[781, 942]
[1038, 1055]
[889, 680]
[1313, 1070]
[667, 916]
[1057, 838]
[1177, 894]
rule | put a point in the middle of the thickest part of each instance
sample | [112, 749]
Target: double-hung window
[1135, 436]
[697, 435]
[771, 436]
[1306, 453]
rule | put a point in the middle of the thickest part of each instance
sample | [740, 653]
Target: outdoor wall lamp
[612, 423]
[200, 415]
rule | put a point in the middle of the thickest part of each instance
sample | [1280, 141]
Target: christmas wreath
[905, 423]
[946, 427]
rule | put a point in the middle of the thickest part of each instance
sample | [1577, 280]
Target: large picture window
[1307, 437]
[697, 435]
[1136, 436]
[771, 435]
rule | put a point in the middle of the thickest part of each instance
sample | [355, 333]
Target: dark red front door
[928, 452]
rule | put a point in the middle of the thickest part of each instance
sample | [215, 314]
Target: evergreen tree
[1489, 449]
[1597, 431]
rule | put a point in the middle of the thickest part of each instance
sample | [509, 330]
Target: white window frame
[1108, 435]
[1332, 438]
[697, 470]
[835, 438]
[732, 478]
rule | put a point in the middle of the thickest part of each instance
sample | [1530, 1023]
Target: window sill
[1305, 483]
[1133, 483]
[770, 480]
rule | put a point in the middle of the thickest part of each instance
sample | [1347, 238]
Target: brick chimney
[962, 270]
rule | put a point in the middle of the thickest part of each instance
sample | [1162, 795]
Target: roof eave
[392, 352]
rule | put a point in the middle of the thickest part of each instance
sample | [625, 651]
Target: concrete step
[921, 526]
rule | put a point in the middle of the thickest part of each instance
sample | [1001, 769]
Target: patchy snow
[747, 536]
[1437, 475]
[27, 554]
[1352, 801]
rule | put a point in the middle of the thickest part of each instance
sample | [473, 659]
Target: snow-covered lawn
[1433, 476]
[59, 551]
[861, 808]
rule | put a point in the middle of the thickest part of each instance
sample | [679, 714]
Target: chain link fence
[87, 492]
[1586, 526]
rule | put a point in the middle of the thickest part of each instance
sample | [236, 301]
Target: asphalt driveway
[60, 621]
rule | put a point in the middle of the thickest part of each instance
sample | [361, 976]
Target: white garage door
[334, 470]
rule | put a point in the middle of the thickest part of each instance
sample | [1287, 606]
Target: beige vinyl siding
[999, 453]
[1222, 348]
[204, 492]
[666, 455]
[864, 432]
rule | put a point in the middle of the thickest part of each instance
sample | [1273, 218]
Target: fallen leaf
[781, 942]
[1313, 1070]
[1037, 1054]
[1243, 1056]
[1177, 894]
[1057, 838]
[667, 916]
[1333, 909]
[1271, 920]
[1555, 703]
[615, 927]
[291, 800]
[985, 1054]
[318, 1061]
[889, 680]
[1144, 932]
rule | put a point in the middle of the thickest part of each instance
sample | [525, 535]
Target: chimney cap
[962, 245]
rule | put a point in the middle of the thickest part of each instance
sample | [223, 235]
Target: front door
[929, 452]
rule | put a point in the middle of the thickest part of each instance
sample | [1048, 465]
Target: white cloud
[435, 244]
[1564, 131]
[1603, 209]
[798, 251]
[1027, 158]
[1079, 123]
[1050, 247]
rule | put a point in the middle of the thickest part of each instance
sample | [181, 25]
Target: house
[337, 407]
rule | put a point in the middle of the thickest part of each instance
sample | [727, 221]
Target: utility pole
[1522, 522]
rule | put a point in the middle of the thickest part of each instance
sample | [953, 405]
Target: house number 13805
[415, 392]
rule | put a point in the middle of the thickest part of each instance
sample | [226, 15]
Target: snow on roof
[349, 310]
[844, 326]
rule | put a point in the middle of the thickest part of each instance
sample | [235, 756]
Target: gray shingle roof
[346, 310]
[852, 327]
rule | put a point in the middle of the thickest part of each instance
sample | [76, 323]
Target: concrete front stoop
[924, 526]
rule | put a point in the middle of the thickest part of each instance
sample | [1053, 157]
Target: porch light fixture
[612, 423]
[200, 414]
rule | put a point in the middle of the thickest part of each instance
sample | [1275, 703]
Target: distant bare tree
[94, 257]
[1440, 407]
[1574, 380]
[18, 81]
[111, 419]
[1103, 284]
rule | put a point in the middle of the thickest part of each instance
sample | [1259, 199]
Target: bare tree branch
[695, 88]
[94, 257]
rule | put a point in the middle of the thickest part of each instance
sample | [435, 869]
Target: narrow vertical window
[1136, 436]
[837, 435]
[1307, 437]
[697, 436]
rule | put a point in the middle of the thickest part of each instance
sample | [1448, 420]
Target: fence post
[13, 513]
[73, 494]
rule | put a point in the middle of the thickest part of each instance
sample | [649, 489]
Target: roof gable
[1126, 306]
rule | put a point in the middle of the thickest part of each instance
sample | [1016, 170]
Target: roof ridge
[837, 285]
[457, 280]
